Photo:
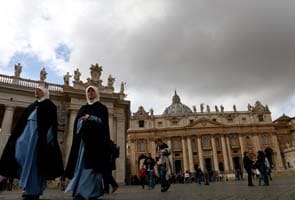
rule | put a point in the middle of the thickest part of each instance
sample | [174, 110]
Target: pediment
[205, 123]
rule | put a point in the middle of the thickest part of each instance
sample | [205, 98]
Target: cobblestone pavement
[282, 188]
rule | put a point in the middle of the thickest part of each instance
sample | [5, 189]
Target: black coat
[49, 156]
[96, 137]
[248, 163]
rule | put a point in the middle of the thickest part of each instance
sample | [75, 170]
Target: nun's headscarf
[90, 102]
[45, 92]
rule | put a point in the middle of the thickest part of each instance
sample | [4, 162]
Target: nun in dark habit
[32, 153]
[90, 152]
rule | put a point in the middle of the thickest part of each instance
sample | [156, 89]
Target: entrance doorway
[237, 163]
[208, 164]
[178, 166]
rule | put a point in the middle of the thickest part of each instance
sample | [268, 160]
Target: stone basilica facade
[212, 139]
[16, 93]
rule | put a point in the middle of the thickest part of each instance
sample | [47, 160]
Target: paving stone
[281, 188]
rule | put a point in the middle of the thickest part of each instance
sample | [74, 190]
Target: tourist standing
[163, 162]
[149, 163]
[248, 165]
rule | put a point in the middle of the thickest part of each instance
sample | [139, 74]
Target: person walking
[142, 176]
[199, 174]
[248, 165]
[163, 162]
[32, 152]
[149, 163]
[90, 153]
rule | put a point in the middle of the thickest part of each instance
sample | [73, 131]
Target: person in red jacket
[142, 176]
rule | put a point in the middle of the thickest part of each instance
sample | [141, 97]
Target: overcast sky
[210, 51]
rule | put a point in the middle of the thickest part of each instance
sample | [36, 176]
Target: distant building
[212, 139]
[17, 93]
[285, 128]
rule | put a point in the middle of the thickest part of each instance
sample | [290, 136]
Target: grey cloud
[207, 48]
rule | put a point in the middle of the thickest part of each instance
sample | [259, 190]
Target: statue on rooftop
[67, 79]
[95, 71]
[249, 107]
[17, 70]
[235, 108]
[194, 108]
[43, 75]
[152, 112]
[221, 108]
[111, 81]
[202, 107]
[216, 108]
[208, 108]
[77, 75]
[122, 89]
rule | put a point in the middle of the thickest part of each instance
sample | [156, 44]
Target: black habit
[49, 156]
[96, 137]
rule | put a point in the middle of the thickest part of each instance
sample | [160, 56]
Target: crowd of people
[260, 168]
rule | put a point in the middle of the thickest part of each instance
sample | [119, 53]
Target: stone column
[224, 153]
[255, 145]
[200, 152]
[216, 168]
[153, 147]
[111, 126]
[277, 154]
[69, 135]
[114, 128]
[7, 120]
[241, 145]
[121, 141]
[184, 154]
[133, 162]
[190, 155]
[169, 143]
[6, 126]
[230, 159]
[257, 142]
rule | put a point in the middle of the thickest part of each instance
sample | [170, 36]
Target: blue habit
[86, 182]
[26, 156]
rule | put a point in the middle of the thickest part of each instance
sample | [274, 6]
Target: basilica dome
[176, 107]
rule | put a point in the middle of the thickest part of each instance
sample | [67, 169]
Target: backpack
[115, 150]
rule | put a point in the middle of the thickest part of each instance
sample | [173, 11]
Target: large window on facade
[141, 123]
[205, 142]
[194, 145]
[234, 140]
[265, 139]
[176, 144]
[141, 145]
[260, 118]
